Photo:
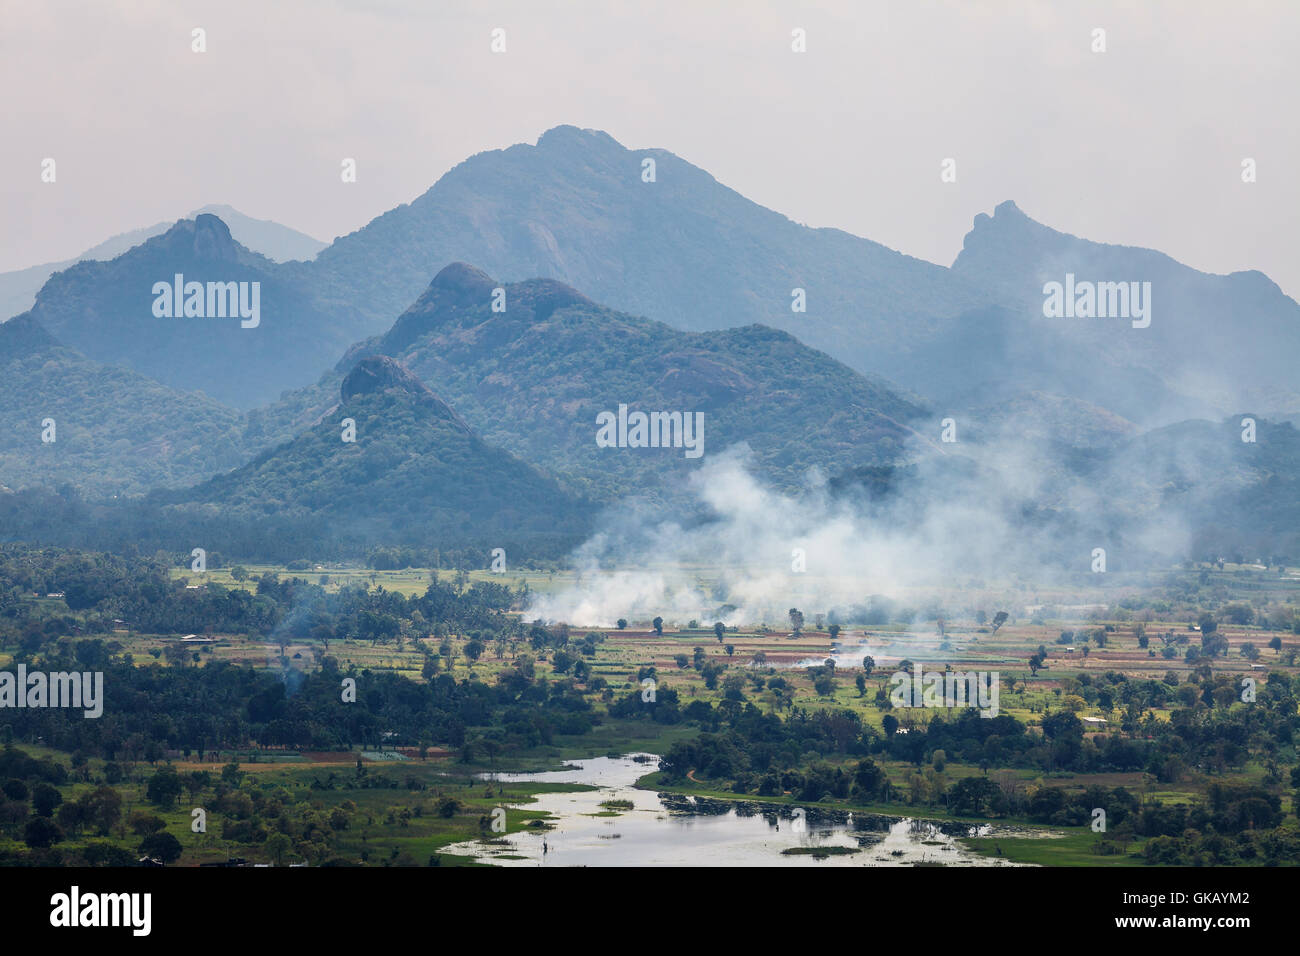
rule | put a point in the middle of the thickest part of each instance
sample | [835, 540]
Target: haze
[1141, 145]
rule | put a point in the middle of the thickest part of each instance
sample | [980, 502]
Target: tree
[231, 775]
[277, 847]
[41, 833]
[1275, 643]
[45, 799]
[834, 631]
[658, 625]
[972, 796]
[999, 619]
[796, 622]
[71, 817]
[103, 809]
[718, 630]
[432, 663]
[1062, 724]
[1213, 644]
[868, 779]
[622, 623]
[15, 789]
[730, 649]
[164, 787]
[161, 846]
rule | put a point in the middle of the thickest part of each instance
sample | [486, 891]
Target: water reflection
[665, 829]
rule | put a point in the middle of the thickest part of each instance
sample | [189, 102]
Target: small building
[1096, 723]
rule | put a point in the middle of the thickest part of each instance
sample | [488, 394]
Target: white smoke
[738, 565]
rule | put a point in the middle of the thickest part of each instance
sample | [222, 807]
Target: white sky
[1140, 145]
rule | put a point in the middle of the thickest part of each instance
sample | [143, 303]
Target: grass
[1075, 848]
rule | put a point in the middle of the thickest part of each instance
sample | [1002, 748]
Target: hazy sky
[1140, 145]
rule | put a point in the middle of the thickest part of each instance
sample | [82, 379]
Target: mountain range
[595, 291]
[107, 311]
[533, 378]
[688, 251]
[278, 243]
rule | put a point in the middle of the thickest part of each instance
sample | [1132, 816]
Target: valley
[1126, 672]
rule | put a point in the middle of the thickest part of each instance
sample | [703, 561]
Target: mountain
[108, 312]
[534, 377]
[1047, 420]
[415, 474]
[278, 243]
[1214, 344]
[115, 431]
[1189, 491]
[1235, 498]
[684, 249]
[688, 251]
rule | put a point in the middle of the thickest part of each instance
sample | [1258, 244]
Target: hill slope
[115, 431]
[278, 243]
[106, 310]
[688, 251]
[414, 475]
[1215, 343]
[684, 249]
[534, 377]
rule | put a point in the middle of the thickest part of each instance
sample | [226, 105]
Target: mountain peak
[205, 236]
[379, 374]
[1003, 213]
[463, 278]
[565, 136]
[24, 335]
[1008, 232]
